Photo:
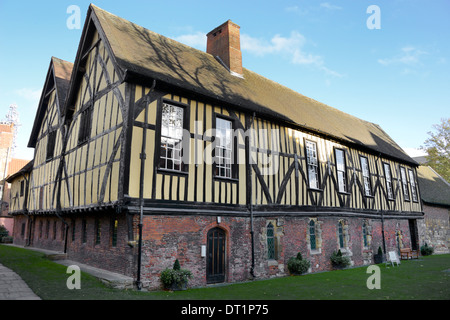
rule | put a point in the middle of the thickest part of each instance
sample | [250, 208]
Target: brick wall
[434, 228]
[166, 238]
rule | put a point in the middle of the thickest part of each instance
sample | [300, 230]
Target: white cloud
[329, 6]
[408, 56]
[290, 47]
[29, 94]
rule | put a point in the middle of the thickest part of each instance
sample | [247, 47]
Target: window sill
[315, 189]
[370, 197]
[315, 251]
[174, 172]
[226, 179]
[344, 193]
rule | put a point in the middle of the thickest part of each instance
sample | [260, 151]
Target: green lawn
[426, 278]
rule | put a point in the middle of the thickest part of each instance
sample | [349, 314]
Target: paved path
[12, 287]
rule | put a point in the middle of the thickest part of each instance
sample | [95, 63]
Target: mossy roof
[141, 52]
[433, 188]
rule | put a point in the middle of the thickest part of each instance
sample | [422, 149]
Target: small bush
[426, 250]
[175, 277]
[297, 265]
[338, 261]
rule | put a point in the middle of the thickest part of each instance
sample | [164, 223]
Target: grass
[425, 279]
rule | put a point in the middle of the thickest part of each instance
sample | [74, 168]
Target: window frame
[366, 177]
[316, 166]
[312, 235]
[51, 143]
[159, 137]
[85, 126]
[341, 235]
[233, 165]
[404, 180]
[389, 184]
[344, 170]
[413, 185]
[271, 247]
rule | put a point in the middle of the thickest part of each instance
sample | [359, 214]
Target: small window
[224, 148]
[341, 234]
[388, 178]
[73, 230]
[312, 235]
[97, 231]
[412, 182]
[54, 230]
[404, 184]
[312, 164]
[22, 232]
[83, 231]
[366, 176]
[364, 230]
[341, 170]
[22, 188]
[114, 226]
[51, 144]
[171, 137]
[270, 242]
[84, 131]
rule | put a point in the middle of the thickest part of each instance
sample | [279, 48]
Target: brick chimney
[224, 43]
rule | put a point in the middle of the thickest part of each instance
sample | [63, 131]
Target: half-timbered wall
[42, 196]
[279, 166]
[18, 193]
[283, 148]
[95, 135]
[197, 181]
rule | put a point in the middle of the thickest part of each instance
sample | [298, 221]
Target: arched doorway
[215, 262]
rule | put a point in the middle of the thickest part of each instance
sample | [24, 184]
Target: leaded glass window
[312, 164]
[171, 137]
[224, 148]
[412, 182]
[312, 235]
[340, 169]
[341, 234]
[387, 174]
[366, 176]
[364, 230]
[404, 183]
[270, 242]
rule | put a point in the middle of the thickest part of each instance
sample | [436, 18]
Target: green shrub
[338, 261]
[426, 250]
[297, 265]
[175, 277]
[3, 232]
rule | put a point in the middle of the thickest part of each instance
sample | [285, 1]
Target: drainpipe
[381, 206]
[252, 269]
[141, 190]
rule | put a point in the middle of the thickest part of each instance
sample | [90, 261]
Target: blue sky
[397, 76]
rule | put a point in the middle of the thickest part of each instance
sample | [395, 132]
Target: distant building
[434, 229]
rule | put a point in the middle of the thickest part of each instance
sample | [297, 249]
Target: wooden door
[215, 262]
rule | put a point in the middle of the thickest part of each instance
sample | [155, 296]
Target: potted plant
[176, 278]
[339, 261]
[297, 265]
[378, 258]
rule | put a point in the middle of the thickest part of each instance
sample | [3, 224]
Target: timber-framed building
[120, 179]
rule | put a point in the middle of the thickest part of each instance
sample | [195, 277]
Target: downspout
[58, 180]
[25, 209]
[381, 206]
[252, 268]
[141, 189]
